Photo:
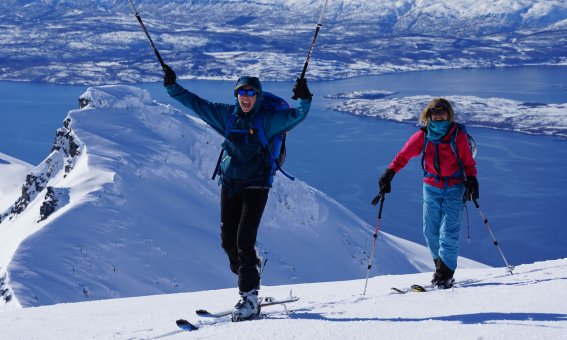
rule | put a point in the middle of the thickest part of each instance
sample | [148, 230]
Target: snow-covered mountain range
[100, 41]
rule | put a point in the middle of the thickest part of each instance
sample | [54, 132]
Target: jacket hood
[254, 83]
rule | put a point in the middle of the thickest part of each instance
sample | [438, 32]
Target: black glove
[169, 77]
[471, 189]
[300, 90]
[385, 182]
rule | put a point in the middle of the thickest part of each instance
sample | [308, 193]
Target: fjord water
[522, 181]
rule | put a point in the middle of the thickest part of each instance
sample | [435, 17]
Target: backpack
[276, 148]
[461, 172]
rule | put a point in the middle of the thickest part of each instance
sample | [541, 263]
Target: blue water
[523, 186]
[30, 113]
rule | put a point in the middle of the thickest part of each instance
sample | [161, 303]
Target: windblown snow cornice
[95, 42]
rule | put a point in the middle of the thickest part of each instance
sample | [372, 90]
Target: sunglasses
[437, 111]
[249, 93]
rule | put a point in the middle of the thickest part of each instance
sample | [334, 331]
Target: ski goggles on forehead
[249, 93]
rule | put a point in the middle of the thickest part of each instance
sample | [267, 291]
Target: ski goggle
[249, 93]
[437, 111]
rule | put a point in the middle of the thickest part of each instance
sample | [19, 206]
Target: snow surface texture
[100, 41]
[124, 206]
[13, 175]
[488, 304]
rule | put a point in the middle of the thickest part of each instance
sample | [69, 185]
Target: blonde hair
[438, 103]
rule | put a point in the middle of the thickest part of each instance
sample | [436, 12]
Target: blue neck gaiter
[437, 129]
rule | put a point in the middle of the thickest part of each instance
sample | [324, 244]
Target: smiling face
[438, 114]
[246, 98]
[439, 109]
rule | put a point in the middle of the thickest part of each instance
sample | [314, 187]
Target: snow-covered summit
[115, 97]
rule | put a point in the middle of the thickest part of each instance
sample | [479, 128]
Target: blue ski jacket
[246, 163]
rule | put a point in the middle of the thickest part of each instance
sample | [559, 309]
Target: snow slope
[13, 173]
[488, 304]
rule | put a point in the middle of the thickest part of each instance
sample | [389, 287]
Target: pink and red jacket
[448, 164]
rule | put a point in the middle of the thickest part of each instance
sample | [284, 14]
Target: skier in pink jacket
[449, 179]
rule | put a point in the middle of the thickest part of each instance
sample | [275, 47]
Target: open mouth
[246, 104]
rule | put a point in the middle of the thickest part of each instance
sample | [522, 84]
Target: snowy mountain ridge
[100, 42]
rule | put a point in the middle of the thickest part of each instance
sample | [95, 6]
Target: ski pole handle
[378, 198]
[476, 203]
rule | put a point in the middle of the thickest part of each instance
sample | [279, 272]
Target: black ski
[418, 289]
[398, 290]
[186, 325]
[413, 288]
[265, 302]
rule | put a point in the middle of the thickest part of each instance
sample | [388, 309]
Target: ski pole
[379, 198]
[509, 268]
[317, 29]
[468, 224]
[148, 35]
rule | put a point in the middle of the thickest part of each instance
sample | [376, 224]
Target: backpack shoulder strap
[458, 128]
[425, 142]
[229, 124]
[279, 143]
[259, 127]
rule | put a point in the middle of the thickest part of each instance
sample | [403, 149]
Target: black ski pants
[241, 213]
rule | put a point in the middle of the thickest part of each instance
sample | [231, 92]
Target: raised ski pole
[509, 268]
[379, 198]
[317, 29]
[148, 35]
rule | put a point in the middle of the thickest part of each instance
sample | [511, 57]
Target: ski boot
[443, 276]
[248, 307]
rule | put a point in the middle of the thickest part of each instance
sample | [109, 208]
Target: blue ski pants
[442, 217]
